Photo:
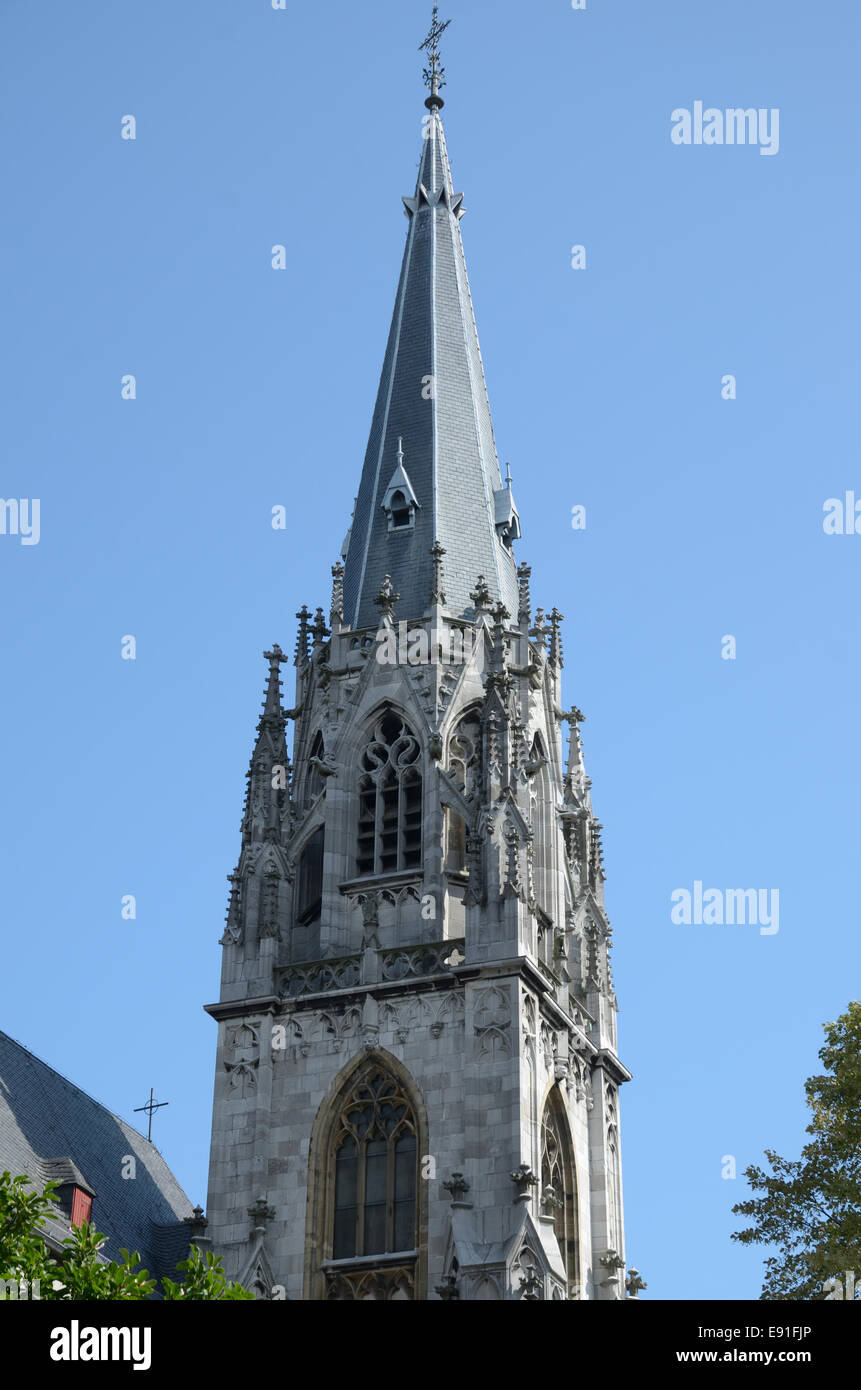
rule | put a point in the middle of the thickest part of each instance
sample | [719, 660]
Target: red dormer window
[82, 1206]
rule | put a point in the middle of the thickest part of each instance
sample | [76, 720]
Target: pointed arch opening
[559, 1183]
[367, 1215]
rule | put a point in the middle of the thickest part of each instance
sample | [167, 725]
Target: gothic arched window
[375, 1159]
[390, 799]
[558, 1174]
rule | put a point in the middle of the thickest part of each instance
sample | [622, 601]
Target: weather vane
[434, 76]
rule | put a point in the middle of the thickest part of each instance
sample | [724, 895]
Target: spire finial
[336, 615]
[556, 619]
[481, 596]
[272, 698]
[524, 605]
[301, 658]
[434, 76]
[386, 599]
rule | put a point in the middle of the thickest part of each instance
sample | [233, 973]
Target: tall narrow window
[309, 897]
[455, 842]
[375, 1169]
[390, 800]
[557, 1172]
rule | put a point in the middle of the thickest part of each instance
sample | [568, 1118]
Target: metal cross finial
[434, 76]
[150, 1106]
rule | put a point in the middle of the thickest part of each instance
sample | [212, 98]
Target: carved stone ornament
[260, 1213]
[523, 1179]
[531, 1285]
[458, 1186]
[447, 1290]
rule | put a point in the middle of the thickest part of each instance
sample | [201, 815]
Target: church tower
[416, 1091]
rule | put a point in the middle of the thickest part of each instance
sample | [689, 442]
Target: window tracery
[464, 754]
[390, 799]
[374, 1156]
[558, 1177]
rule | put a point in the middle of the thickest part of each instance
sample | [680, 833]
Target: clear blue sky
[255, 388]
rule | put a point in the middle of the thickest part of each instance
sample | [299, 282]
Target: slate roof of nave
[51, 1129]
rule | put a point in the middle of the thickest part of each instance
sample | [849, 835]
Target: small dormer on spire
[505, 514]
[346, 542]
[399, 500]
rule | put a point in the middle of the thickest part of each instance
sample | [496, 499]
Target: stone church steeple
[416, 1091]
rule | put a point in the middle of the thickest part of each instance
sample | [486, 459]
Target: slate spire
[432, 411]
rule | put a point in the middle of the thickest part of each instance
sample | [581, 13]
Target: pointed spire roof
[263, 796]
[433, 397]
[273, 715]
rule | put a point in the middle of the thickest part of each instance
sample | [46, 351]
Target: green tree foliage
[810, 1208]
[22, 1215]
[204, 1279]
[79, 1272]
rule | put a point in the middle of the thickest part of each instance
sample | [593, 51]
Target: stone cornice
[236, 1008]
[610, 1063]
